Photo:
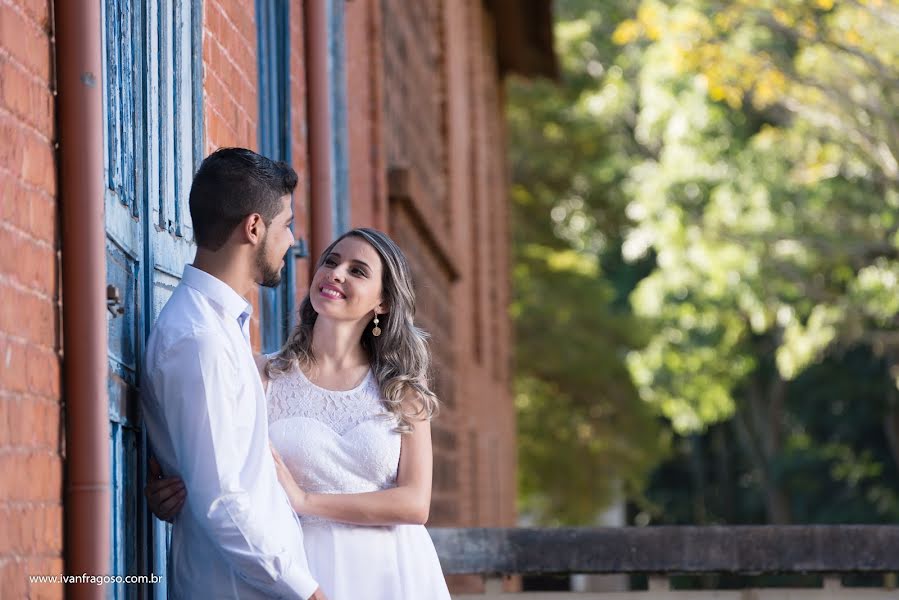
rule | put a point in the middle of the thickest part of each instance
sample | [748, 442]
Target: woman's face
[347, 286]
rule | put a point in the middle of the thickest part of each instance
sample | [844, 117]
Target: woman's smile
[331, 292]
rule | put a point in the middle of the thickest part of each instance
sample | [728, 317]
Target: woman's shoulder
[262, 365]
[262, 360]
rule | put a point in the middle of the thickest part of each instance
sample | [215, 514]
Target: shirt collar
[218, 291]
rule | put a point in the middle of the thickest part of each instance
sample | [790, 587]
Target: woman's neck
[336, 345]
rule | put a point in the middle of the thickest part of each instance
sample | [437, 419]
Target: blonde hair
[400, 358]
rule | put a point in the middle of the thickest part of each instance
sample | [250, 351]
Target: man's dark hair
[231, 184]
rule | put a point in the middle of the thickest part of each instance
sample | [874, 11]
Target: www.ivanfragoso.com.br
[95, 579]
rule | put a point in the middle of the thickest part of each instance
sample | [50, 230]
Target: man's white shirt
[205, 412]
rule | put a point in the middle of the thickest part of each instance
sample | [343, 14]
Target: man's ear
[253, 228]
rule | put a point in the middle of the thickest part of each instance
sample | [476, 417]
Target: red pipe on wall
[80, 121]
[318, 91]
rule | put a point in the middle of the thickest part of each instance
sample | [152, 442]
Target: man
[203, 400]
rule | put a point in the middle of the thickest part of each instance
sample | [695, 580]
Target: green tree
[771, 206]
[585, 437]
[741, 158]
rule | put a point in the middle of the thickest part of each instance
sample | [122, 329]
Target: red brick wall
[229, 73]
[414, 91]
[31, 455]
[439, 112]
[365, 122]
[299, 147]
[231, 103]
[230, 82]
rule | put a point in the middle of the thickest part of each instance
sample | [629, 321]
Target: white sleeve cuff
[299, 583]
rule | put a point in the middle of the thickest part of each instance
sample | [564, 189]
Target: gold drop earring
[377, 330]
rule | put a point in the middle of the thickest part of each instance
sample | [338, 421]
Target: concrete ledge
[670, 550]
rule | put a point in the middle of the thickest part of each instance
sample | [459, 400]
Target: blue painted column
[340, 202]
[273, 56]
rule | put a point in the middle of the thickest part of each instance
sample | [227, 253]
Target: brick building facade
[415, 147]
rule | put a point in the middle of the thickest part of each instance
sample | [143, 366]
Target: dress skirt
[352, 562]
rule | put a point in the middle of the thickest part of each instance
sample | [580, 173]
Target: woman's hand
[165, 497]
[295, 494]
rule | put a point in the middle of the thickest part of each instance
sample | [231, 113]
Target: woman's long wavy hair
[400, 358]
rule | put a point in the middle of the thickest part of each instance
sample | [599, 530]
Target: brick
[34, 424]
[45, 474]
[39, 164]
[9, 541]
[27, 315]
[45, 566]
[43, 372]
[26, 40]
[21, 422]
[5, 430]
[13, 359]
[13, 579]
[218, 62]
[29, 158]
[27, 98]
[31, 476]
[9, 463]
[10, 149]
[53, 532]
[29, 520]
[29, 262]
[42, 217]
[38, 11]
[14, 209]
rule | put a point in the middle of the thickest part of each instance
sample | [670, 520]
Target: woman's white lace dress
[343, 443]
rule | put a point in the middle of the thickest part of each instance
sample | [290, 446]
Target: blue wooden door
[273, 60]
[152, 110]
[275, 136]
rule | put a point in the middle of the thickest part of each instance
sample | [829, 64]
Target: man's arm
[197, 386]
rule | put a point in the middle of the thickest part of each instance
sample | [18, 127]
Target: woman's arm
[408, 502]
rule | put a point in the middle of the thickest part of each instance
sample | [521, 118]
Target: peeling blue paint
[152, 83]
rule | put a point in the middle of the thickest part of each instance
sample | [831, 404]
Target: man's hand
[318, 594]
[165, 497]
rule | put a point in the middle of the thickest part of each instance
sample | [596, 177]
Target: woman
[349, 421]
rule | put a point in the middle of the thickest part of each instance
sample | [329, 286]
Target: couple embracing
[305, 473]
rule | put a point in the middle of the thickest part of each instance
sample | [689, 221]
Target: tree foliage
[741, 157]
[585, 438]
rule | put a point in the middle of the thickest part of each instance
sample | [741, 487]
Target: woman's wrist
[297, 499]
[307, 503]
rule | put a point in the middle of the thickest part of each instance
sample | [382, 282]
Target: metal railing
[829, 552]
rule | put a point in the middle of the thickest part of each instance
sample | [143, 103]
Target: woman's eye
[358, 272]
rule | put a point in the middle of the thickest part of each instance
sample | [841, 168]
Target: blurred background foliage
[706, 263]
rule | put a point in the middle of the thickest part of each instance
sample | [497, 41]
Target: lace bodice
[333, 441]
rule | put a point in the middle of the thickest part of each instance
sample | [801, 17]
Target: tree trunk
[759, 424]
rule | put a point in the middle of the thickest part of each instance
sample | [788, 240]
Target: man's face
[277, 241]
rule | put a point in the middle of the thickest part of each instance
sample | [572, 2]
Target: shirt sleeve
[197, 387]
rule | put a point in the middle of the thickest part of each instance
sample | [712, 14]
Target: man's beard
[271, 276]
